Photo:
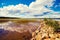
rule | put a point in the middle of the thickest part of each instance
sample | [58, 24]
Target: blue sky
[14, 2]
[26, 2]
[5, 3]
[58, 7]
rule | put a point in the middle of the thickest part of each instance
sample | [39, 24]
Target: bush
[52, 23]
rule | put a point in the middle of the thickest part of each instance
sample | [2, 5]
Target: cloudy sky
[30, 8]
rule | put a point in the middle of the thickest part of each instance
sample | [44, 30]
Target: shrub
[52, 23]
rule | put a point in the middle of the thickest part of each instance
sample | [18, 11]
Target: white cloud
[58, 5]
[20, 10]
